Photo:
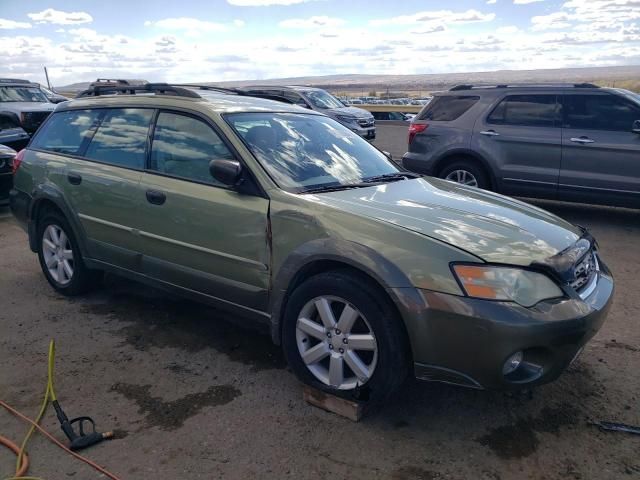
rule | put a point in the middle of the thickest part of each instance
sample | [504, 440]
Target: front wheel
[60, 257]
[343, 337]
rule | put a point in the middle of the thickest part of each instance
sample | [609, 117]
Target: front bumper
[466, 341]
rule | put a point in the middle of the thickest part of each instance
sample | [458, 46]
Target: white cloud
[551, 21]
[509, 30]
[491, 2]
[443, 17]
[312, 22]
[12, 24]
[525, 2]
[187, 23]
[264, 3]
[59, 17]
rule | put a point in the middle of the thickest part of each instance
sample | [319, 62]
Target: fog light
[512, 363]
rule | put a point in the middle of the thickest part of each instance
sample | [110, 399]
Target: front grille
[584, 271]
[365, 123]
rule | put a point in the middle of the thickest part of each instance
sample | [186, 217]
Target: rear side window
[527, 110]
[599, 112]
[447, 108]
[121, 138]
[183, 146]
[67, 132]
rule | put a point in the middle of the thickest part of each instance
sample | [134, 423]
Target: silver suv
[24, 102]
[355, 119]
[573, 142]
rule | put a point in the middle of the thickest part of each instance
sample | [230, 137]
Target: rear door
[198, 233]
[522, 139]
[104, 152]
[601, 155]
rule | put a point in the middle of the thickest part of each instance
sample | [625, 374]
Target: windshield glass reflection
[302, 152]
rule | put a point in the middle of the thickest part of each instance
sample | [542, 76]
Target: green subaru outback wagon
[363, 271]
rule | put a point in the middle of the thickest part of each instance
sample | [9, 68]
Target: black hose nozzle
[80, 440]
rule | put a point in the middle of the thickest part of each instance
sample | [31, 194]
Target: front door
[521, 137]
[197, 233]
[600, 153]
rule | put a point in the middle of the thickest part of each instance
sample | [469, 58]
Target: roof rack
[524, 85]
[157, 88]
[208, 87]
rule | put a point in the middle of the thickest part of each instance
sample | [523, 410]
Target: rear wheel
[466, 172]
[60, 257]
[341, 336]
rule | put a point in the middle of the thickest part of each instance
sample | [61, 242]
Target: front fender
[339, 251]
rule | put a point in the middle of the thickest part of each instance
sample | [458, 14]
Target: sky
[219, 40]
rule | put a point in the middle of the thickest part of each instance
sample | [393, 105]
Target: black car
[6, 178]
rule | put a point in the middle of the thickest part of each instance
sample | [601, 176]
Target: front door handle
[490, 133]
[156, 197]
[74, 178]
[583, 140]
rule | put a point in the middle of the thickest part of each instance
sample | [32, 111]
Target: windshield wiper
[392, 177]
[335, 188]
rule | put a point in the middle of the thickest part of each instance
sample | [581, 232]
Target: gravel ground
[194, 393]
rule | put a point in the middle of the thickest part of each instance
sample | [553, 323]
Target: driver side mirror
[228, 172]
[636, 127]
[388, 155]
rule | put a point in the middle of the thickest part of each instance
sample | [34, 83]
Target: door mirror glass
[636, 127]
[228, 172]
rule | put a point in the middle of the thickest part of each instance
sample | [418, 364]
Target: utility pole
[46, 74]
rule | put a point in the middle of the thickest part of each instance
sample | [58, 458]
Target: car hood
[28, 106]
[490, 226]
[353, 111]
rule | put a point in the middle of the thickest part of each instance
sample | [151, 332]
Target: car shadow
[591, 215]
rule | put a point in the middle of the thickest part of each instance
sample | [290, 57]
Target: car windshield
[323, 100]
[304, 152]
[21, 94]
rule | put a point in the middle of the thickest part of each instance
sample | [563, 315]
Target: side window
[121, 138]
[599, 112]
[527, 110]
[295, 98]
[67, 132]
[183, 146]
[447, 108]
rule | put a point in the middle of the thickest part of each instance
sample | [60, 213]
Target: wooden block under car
[341, 406]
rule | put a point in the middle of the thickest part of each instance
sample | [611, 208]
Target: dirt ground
[193, 393]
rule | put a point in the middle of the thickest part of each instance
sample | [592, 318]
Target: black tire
[83, 279]
[470, 166]
[393, 350]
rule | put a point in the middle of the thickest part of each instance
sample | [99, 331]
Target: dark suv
[573, 142]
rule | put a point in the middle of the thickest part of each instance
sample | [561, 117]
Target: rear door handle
[583, 140]
[74, 178]
[490, 133]
[156, 197]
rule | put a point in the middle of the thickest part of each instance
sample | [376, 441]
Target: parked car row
[365, 272]
[573, 142]
[385, 101]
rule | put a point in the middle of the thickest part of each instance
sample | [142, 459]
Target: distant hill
[627, 77]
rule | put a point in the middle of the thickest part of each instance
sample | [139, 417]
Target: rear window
[447, 108]
[527, 110]
[67, 132]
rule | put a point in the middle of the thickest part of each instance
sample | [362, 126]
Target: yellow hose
[49, 396]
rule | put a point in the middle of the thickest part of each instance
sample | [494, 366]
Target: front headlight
[505, 283]
[346, 119]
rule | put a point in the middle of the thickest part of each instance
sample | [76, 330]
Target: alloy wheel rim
[463, 177]
[58, 254]
[336, 343]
